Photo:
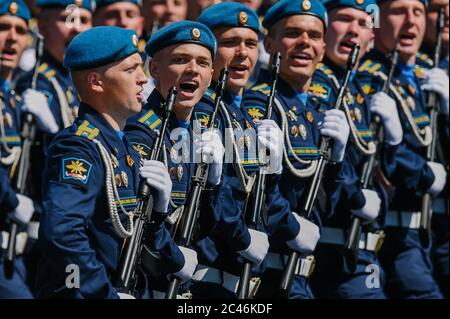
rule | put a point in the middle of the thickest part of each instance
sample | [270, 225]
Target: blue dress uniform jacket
[410, 177]
[440, 222]
[77, 229]
[299, 122]
[302, 129]
[408, 172]
[55, 82]
[10, 144]
[8, 198]
[231, 233]
[333, 278]
[142, 131]
[10, 141]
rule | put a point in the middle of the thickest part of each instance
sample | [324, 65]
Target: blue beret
[286, 8]
[230, 14]
[380, 2]
[87, 4]
[15, 8]
[357, 4]
[182, 32]
[100, 46]
[102, 3]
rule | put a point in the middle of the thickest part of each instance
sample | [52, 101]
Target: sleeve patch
[76, 168]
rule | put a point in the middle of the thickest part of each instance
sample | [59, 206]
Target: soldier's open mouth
[8, 53]
[348, 44]
[302, 56]
[239, 68]
[189, 87]
[408, 36]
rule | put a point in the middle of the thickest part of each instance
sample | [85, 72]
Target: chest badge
[130, 161]
[303, 131]
[294, 131]
[179, 172]
[124, 178]
[358, 115]
[411, 103]
[310, 117]
[114, 161]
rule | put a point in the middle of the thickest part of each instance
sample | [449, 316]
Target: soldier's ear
[140, 26]
[210, 79]
[267, 43]
[94, 82]
[323, 51]
[153, 67]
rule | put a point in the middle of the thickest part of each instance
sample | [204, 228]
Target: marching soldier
[296, 29]
[334, 278]
[222, 254]
[404, 256]
[92, 171]
[18, 208]
[440, 220]
[182, 56]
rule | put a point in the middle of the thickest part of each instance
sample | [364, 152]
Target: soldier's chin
[408, 50]
[303, 71]
[237, 83]
[188, 103]
[8, 64]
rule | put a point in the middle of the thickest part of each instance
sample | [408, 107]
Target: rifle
[198, 183]
[259, 188]
[28, 135]
[433, 107]
[351, 247]
[324, 158]
[131, 258]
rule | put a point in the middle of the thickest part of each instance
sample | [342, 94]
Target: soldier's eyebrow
[133, 66]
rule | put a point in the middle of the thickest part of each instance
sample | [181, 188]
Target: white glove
[369, 212]
[335, 125]
[307, 238]
[211, 150]
[258, 248]
[190, 264]
[270, 137]
[440, 178]
[36, 103]
[24, 211]
[383, 105]
[436, 80]
[158, 178]
[125, 296]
